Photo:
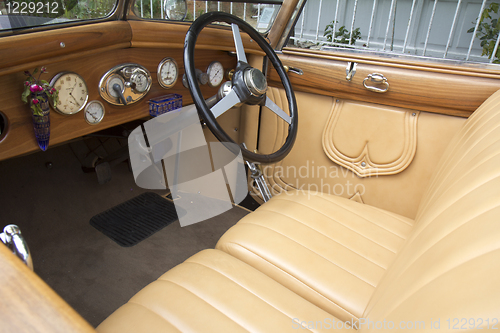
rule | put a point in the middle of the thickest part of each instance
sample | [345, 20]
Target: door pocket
[369, 139]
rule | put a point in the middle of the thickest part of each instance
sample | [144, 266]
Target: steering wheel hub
[255, 81]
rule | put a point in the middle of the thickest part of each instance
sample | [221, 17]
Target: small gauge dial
[73, 92]
[215, 73]
[140, 80]
[94, 112]
[112, 80]
[167, 73]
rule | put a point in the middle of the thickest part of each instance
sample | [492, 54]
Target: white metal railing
[250, 15]
[434, 28]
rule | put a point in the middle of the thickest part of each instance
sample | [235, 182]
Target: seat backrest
[448, 272]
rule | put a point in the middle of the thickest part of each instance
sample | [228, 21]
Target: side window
[259, 15]
[18, 14]
[463, 30]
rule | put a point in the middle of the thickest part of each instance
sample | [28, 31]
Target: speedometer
[215, 73]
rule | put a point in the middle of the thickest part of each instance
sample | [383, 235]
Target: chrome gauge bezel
[158, 72]
[89, 104]
[124, 72]
[210, 68]
[58, 108]
[109, 89]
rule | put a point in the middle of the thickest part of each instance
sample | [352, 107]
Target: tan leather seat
[297, 239]
[442, 273]
[213, 292]
[330, 250]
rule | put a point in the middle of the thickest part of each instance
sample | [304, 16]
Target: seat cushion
[214, 292]
[329, 250]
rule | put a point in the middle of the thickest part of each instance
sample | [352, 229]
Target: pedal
[103, 171]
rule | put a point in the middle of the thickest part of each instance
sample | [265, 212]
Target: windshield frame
[116, 14]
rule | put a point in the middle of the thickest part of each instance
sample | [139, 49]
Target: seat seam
[448, 234]
[155, 313]
[436, 187]
[388, 213]
[308, 249]
[295, 278]
[334, 220]
[445, 209]
[440, 192]
[440, 275]
[248, 290]
[333, 240]
[357, 214]
[205, 301]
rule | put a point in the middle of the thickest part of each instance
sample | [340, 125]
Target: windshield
[259, 14]
[16, 14]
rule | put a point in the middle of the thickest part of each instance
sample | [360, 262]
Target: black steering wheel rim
[199, 101]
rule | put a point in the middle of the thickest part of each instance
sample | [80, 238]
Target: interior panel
[457, 94]
[307, 167]
[92, 65]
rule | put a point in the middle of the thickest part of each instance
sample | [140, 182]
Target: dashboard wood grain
[20, 137]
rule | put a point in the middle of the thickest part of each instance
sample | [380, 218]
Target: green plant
[342, 36]
[38, 91]
[487, 31]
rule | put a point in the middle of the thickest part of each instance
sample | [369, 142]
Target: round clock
[73, 92]
[167, 73]
[94, 112]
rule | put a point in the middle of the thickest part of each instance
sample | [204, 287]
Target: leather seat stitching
[449, 232]
[319, 255]
[243, 287]
[203, 300]
[395, 306]
[333, 220]
[324, 235]
[365, 218]
[441, 180]
[153, 312]
[444, 209]
[440, 193]
[381, 211]
[295, 278]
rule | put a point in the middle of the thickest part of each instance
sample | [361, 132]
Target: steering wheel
[249, 85]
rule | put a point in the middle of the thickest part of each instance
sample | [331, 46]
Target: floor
[52, 200]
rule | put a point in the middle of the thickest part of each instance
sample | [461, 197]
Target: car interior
[372, 180]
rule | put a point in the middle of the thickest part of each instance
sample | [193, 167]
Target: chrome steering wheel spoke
[240, 51]
[225, 103]
[277, 110]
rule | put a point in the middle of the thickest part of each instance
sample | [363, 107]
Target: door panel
[373, 125]
[448, 91]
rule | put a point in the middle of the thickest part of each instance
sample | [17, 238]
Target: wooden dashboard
[91, 50]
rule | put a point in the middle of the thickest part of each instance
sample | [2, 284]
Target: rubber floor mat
[136, 219]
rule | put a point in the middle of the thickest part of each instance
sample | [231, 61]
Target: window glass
[456, 30]
[258, 14]
[31, 13]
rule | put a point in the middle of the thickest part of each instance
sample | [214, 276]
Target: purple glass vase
[41, 123]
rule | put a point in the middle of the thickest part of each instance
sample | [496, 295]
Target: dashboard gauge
[215, 73]
[112, 80]
[140, 80]
[175, 9]
[94, 112]
[167, 73]
[73, 92]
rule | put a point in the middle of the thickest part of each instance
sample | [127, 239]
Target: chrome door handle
[377, 79]
[12, 238]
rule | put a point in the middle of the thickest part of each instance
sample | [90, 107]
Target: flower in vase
[39, 90]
